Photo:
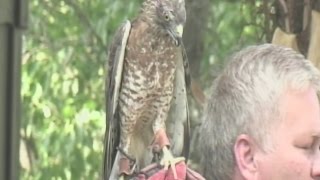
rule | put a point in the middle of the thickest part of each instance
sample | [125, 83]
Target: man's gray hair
[245, 100]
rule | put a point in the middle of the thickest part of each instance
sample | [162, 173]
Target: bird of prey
[147, 108]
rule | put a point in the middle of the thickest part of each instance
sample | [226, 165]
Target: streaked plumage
[151, 87]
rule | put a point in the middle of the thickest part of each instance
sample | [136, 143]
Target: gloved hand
[156, 172]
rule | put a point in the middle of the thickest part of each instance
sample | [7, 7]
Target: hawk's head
[169, 15]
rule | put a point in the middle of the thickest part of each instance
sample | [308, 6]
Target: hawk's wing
[113, 83]
[186, 67]
[178, 123]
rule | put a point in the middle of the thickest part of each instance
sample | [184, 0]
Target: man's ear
[245, 152]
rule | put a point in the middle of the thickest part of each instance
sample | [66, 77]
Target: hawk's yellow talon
[121, 177]
[168, 160]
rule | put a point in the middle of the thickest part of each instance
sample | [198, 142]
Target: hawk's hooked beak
[176, 34]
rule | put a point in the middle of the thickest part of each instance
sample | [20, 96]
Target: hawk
[146, 90]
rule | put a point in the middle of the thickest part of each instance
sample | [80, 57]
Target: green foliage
[233, 25]
[63, 76]
[63, 84]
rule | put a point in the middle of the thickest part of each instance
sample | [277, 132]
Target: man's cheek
[296, 167]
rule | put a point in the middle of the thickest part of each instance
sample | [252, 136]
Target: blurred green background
[63, 73]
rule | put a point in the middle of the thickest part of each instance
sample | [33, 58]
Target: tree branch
[306, 14]
[286, 11]
[86, 21]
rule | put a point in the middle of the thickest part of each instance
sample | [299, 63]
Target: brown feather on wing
[192, 86]
[187, 76]
[178, 123]
[113, 83]
[186, 67]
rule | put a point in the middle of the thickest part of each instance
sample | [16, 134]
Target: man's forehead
[301, 112]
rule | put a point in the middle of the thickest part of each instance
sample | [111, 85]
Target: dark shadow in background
[13, 21]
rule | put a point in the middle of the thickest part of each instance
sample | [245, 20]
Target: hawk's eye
[166, 16]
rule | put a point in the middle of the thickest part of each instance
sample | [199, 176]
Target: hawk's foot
[126, 168]
[121, 177]
[127, 165]
[160, 140]
[168, 160]
[156, 155]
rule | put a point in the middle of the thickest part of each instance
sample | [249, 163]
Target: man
[262, 121]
